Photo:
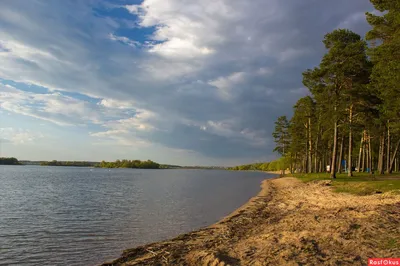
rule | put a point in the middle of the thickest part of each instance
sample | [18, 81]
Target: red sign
[384, 261]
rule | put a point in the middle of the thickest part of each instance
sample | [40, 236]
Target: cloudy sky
[177, 81]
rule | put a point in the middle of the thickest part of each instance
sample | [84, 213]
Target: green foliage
[360, 184]
[131, 164]
[67, 163]
[353, 112]
[303, 118]
[341, 67]
[281, 135]
[385, 54]
[340, 103]
[9, 161]
[280, 164]
[283, 163]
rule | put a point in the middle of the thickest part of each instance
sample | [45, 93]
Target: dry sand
[287, 223]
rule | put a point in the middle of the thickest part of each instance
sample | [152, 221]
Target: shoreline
[264, 189]
[287, 223]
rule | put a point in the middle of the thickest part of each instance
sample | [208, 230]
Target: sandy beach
[288, 223]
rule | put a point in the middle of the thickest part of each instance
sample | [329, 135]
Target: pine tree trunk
[388, 150]
[340, 155]
[371, 166]
[320, 167]
[379, 166]
[394, 156]
[316, 155]
[381, 153]
[306, 158]
[367, 155]
[334, 150]
[291, 163]
[309, 146]
[349, 159]
[360, 153]
[363, 159]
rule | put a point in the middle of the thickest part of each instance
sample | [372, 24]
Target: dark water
[84, 216]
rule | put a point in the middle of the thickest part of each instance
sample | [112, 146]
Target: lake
[85, 216]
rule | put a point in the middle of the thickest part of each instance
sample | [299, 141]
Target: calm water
[84, 216]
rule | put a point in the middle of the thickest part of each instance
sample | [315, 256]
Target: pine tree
[385, 77]
[340, 67]
[281, 135]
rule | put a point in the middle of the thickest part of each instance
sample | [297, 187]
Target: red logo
[384, 261]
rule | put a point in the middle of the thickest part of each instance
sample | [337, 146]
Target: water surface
[85, 216]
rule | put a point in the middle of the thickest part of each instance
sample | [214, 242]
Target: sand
[288, 223]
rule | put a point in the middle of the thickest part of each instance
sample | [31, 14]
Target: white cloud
[20, 50]
[125, 131]
[67, 111]
[141, 121]
[226, 85]
[121, 137]
[176, 47]
[53, 107]
[111, 103]
[186, 30]
[124, 40]
[18, 135]
[221, 128]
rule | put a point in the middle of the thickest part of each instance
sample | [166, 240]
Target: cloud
[226, 84]
[124, 40]
[204, 76]
[65, 110]
[18, 135]
[53, 107]
[122, 137]
[111, 103]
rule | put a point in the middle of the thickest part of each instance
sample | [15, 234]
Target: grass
[359, 184]
[392, 243]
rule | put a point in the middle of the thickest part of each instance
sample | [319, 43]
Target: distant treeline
[203, 167]
[9, 161]
[131, 164]
[68, 163]
[276, 165]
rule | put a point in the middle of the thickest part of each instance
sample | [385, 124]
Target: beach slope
[288, 223]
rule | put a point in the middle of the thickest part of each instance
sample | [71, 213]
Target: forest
[265, 166]
[9, 161]
[130, 164]
[67, 163]
[350, 121]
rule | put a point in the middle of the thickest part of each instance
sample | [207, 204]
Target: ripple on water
[83, 216]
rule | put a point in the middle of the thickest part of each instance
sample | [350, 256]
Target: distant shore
[288, 223]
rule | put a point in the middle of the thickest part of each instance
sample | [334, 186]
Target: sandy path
[287, 223]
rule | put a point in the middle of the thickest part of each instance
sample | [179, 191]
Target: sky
[180, 81]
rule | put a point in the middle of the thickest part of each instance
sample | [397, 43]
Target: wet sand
[287, 223]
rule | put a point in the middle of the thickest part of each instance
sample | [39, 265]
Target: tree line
[351, 119]
[275, 165]
[130, 164]
[67, 163]
[9, 161]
